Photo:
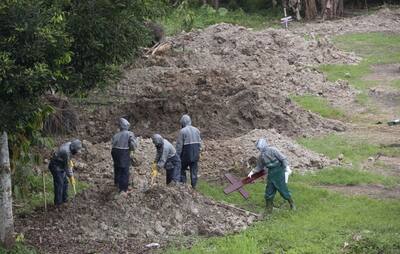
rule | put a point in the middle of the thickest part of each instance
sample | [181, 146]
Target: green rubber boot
[269, 204]
[292, 205]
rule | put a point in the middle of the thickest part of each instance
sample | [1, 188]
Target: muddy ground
[237, 86]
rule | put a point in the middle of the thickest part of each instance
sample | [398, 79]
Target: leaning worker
[167, 158]
[123, 143]
[188, 147]
[277, 165]
[60, 167]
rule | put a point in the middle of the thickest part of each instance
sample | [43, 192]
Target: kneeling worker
[60, 167]
[272, 160]
[167, 158]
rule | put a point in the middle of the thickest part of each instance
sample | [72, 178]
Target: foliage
[318, 105]
[64, 46]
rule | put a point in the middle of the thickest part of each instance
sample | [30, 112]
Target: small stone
[347, 75]
[340, 157]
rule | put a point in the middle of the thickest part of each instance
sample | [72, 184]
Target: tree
[6, 215]
[62, 46]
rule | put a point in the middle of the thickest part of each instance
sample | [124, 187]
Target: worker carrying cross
[278, 171]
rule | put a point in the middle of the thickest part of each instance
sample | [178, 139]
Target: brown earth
[236, 84]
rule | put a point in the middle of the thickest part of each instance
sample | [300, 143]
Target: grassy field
[325, 222]
[374, 48]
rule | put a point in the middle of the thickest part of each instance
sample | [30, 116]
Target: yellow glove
[72, 180]
[154, 170]
[70, 164]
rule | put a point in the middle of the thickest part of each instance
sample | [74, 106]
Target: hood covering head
[76, 146]
[124, 124]
[185, 120]
[261, 144]
[157, 139]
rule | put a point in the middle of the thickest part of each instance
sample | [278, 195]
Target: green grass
[396, 84]
[36, 198]
[323, 222]
[344, 176]
[375, 48]
[318, 105]
[206, 16]
[19, 248]
[354, 150]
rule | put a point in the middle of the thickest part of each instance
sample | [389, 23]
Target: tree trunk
[6, 214]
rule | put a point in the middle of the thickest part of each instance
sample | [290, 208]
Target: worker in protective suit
[167, 158]
[277, 165]
[61, 167]
[123, 144]
[188, 147]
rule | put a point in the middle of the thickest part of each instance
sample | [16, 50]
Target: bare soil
[236, 84]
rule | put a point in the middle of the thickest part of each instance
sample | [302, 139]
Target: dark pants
[193, 166]
[122, 178]
[122, 163]
[173, 168]
[60, 186]
[280, 186]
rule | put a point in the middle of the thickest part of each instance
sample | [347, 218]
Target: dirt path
[372, 191]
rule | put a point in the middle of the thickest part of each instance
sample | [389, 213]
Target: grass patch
[206, 16]
[354, 150]
[25, 204]
[19, 248]
[344, 176]
[396, 84]
[318, 105]
[375, 48]
[323, 223]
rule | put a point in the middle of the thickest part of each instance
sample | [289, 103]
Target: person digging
[61, 167]
[167, 158]
[278, 172]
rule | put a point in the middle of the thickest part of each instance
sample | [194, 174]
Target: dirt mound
[101, 221]
[384, 20]
[230, 79]
[235, 154]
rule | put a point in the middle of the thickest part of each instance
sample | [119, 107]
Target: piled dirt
[384, 20]
[101, 221]
[235, 154]
[230, 79]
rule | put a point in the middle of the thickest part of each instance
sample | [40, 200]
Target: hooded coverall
[188, 147]
[60, 169]
[270, 158]
[122, 143]
[167, 158]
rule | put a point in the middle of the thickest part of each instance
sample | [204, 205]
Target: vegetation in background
[185, 18]
[318, 105]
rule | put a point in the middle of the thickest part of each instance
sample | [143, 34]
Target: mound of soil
[101, 221]
[230, 79]
[235, 154]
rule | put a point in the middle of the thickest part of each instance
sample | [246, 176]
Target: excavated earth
[237, 85]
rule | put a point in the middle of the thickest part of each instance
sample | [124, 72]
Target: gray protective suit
[122, 143]
[188, 147]
[167, 158]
